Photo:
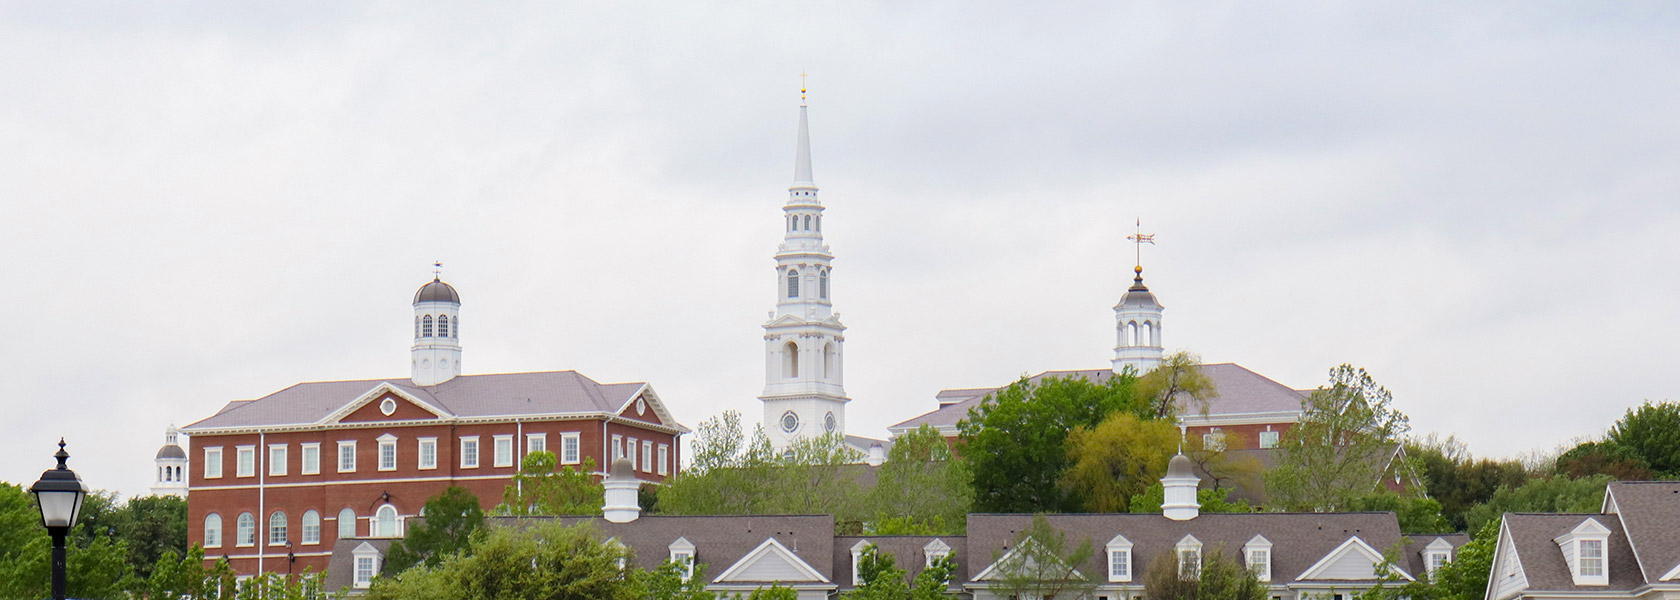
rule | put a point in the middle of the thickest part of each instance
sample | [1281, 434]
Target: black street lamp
[59, 493]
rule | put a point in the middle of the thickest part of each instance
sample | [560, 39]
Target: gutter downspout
[262, 496]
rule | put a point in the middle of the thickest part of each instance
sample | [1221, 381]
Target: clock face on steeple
[829, 423]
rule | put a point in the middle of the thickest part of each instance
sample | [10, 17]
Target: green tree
[879, 577]
[934, 582]
[1604, 458]
[921, 485]
[1218, 577]
[1652, 432]
[1464, 578]
[542, 489]
[452, 517]
[1558, 494]
[1342, 446]
[668, 582]
[1042, 564]
[1212, 500]
[815, 475]
[1116, 460]
[548, 561]
[97, 561]
[1416, 515]
[1456, 480]
[1178, 379]
[776, 591]
[152, 526]
[1015, 439]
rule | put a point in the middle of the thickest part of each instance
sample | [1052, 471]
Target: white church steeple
[436, 353]
[803, 391]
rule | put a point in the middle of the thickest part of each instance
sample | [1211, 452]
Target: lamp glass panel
[59, 509]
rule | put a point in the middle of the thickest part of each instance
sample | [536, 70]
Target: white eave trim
[570, 416]
[1352, 544]
[771, 545]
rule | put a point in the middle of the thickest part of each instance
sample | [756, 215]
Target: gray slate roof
[1299, 540]
[1651, 512]
[1543, 562]
[719, 541]
[466, 396]
[1412, 553]
[1239, 391]
[341, 568]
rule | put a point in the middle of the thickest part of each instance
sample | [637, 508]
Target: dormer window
[935, 550]
[1436, 555]
[1257, 555]
[1584, 549]
[1189, 551]
[857, 561]
[682, 555]
[1119, 559]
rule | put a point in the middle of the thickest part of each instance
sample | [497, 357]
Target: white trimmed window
[387, 452]
[857, 561]
[212, 531]
[647, 456]
[277, 530]
[682, 554]
[664, 459]
[1119, 559]
[347, 456]
[1189, 551]
[1214, 439]
[1436, 555]
[617, 448]
[386, 522]
[367, 566]
[347, 523]
[245, 463]
[504, 451]
[630, 452]
[428, 453]
[1268, 439]
[311, 527]
[934, 551]
[536, 442]
[469, 452]
[245, 530]
[1584, 550]
[570, 446]
[1591, 557]
[276, 460]
[311, 458]
[1257, 555]
[213, 462]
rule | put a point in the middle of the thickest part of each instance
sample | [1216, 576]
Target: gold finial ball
[1138, 269]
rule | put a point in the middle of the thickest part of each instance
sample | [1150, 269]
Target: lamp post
[59, 493]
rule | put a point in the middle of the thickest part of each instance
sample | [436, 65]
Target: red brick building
[275, 481]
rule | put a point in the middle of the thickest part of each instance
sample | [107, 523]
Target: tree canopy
[452, 517]
[1345, 442]
[543, 487]
[1016, 439]
[1117, 459]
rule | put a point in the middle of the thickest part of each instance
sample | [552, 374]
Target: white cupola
[1179, 501]
[171, 475]
[436, 353]
[1137, 319]
[620, 487]
[804, 394]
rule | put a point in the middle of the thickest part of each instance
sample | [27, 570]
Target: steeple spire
[802, 155]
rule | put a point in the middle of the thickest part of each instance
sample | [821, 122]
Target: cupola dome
[437, 291]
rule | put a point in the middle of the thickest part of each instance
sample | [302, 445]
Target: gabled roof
[1299, 540]
[548, 393]
[1543, 562]
[770, 562]
[720, 542]
[1650, 515]
[1412, 558]
[341, 568]
[1240, 392]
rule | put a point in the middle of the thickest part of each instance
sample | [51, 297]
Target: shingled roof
[1239, 392]
[1543, 563]
[1648, 510]
[466, 397]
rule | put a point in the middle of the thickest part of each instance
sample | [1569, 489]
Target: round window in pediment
[388, 406]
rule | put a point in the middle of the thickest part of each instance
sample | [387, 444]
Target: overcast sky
[212, 201]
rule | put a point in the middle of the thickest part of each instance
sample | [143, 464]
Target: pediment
[646, 406]
[1023, 558]
[1354, 560]
[771, 561]
[369, 407]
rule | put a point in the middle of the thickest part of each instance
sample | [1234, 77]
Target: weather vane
[801, 88]
[1139, 239]
[437, 270]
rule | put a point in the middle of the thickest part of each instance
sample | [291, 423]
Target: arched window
[245, 530]
[386, 522]
[819, 222]
[807, 222]
[311, 527]
[791, 221]
[456, 332]
[1146, 336]
[790, 360]
[1131, 334]
[793, 283]
[443, 326]
[426, 326]
[346, 523]
[180, 475]
[277, 529]
[212, 531]
[822, 284]
[828, 361]
[416, 326]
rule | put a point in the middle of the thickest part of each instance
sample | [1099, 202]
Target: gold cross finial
[801, 88]
[1139, 239]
